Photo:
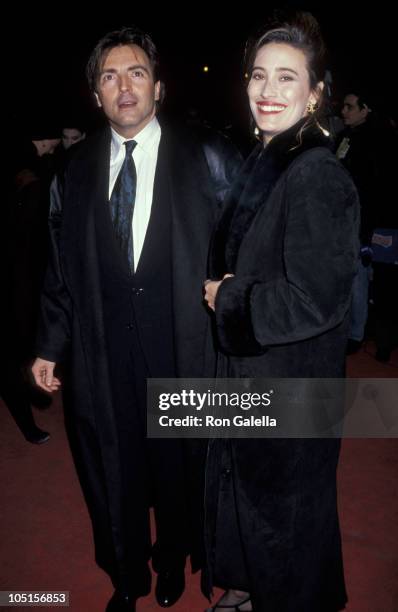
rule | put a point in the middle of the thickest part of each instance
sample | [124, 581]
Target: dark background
[50, 46]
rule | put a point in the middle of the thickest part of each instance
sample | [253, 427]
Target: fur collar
[263, 168]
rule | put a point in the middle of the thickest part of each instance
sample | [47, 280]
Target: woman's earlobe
[319, 91]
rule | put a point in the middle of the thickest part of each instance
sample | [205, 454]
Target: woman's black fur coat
[289, 234]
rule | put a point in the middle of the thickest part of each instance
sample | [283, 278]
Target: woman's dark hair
[300, 30]
[124, 36]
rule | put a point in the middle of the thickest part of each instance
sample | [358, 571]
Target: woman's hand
[211, 288]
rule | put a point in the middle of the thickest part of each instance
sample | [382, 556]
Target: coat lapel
[89, 191]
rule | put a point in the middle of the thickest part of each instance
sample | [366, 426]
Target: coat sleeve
[53, 336]
[320, 252]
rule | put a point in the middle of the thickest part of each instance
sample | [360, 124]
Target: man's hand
[211, 288]
[43, 373]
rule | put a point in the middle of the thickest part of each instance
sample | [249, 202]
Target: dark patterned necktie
[122, 204]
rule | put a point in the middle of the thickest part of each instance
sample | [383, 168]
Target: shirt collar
[146, 139]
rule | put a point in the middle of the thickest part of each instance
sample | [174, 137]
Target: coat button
[226, 472]
[129, 326]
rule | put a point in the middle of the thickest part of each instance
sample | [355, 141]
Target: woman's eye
[286, 77]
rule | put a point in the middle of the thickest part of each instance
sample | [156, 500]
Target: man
[356, 151]
[122, 302]
[23, 258]
[72, 135]
[370, 158]
[46, 139]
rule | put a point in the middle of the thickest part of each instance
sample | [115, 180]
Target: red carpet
[45, 534]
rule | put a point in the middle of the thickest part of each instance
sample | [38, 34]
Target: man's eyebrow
[133, 67]
[140, 66]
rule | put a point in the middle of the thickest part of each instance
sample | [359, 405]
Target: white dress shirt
[145, 157]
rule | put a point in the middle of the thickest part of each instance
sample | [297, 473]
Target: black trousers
[153, 470]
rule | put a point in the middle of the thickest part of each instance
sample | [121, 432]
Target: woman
[283, 260]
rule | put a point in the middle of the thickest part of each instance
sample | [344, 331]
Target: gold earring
[311, 107]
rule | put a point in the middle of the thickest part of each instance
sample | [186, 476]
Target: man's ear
[365, 111]
[96, 96]
[158, 86]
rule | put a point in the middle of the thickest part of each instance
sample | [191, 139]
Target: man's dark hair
[124, 36]
[363, 98]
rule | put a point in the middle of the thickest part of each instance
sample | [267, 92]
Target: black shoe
[120, 602]
[353, 346]
[169, 587]
[383, 355]
[35, 435]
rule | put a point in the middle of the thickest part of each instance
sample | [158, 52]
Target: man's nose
[124, 82]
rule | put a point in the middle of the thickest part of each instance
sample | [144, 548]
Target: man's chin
[128, 116]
